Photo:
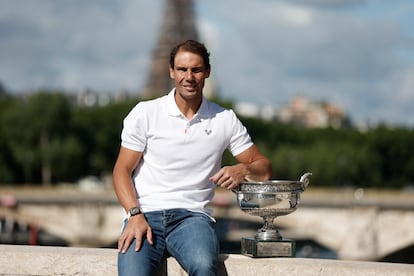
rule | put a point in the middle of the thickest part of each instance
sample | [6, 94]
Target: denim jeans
[187, 236]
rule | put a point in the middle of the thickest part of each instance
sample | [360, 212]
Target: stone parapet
[41, 260]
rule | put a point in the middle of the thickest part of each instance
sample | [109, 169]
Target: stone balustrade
[41, 260]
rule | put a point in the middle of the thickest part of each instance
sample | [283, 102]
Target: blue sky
[354, 53]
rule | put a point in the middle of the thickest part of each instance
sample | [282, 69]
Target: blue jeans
[187, 236]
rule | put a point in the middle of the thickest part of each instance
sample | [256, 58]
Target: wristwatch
[134, 211]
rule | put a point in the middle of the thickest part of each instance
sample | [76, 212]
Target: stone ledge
[42, 260]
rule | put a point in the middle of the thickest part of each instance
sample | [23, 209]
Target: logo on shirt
[207, 131]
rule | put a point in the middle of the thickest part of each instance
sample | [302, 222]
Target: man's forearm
[124, 190]
[259, 170]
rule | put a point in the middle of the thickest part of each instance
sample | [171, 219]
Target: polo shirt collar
[203, 110]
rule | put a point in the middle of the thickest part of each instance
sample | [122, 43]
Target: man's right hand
[136, 228]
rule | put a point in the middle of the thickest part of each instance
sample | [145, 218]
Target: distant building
[300, 111]
[89, 98]
[303, 112]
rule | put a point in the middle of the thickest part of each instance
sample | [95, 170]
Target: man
[169, 165]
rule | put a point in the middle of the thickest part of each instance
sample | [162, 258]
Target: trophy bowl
[270, 199]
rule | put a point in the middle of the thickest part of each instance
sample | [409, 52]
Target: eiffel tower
[178, 25]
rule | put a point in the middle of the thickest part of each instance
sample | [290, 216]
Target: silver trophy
[270, 199]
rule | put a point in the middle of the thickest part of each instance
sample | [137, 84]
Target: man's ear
[171, 73]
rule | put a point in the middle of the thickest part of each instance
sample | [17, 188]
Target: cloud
[77, 44]
[273, 50]
[355, 53]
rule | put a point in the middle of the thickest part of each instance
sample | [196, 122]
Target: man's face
[189, 73]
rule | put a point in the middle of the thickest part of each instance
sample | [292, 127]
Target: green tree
[32, 126]
[393, 146]
[43, 138]
[8, 167]
[100, 129]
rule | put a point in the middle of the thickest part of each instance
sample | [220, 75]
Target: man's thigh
[193, 241]
[147, 260]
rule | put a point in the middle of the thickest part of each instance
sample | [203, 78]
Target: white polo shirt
[179, 155]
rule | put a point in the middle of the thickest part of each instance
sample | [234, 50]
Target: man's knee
[200, 265]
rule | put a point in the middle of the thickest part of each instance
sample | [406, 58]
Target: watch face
[134, 211]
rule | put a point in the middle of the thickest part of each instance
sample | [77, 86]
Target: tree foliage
[45, 138]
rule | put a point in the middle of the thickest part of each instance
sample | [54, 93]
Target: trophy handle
[304, 179]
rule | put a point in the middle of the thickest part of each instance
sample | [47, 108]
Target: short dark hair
[194, 47]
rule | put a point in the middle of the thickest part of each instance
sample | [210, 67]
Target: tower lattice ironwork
[178, 24]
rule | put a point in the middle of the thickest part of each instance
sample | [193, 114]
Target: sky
[355, 53]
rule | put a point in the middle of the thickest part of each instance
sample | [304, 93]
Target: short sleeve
[240, 139]
[134, 132]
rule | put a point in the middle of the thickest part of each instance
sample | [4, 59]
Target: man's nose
[189, 75]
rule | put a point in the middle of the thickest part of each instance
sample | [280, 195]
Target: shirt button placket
[187, 127]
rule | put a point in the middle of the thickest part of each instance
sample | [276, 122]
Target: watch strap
[134, 211]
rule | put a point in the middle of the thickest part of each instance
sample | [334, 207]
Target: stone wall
[39, 261]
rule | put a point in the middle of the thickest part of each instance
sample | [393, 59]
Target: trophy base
[267, 248]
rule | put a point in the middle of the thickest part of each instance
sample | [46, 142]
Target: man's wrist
[134, 211]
